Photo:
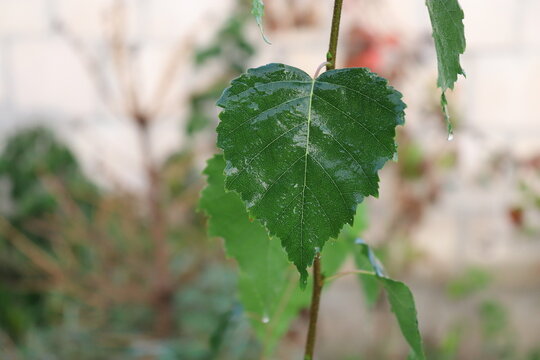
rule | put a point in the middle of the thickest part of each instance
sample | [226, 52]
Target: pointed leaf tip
[257, 10]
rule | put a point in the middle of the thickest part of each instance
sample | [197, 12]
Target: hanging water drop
[265, 319]
[450, 136]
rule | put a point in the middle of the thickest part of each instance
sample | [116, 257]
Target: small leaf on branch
[402, 303]
[303, 153]
[399, 296]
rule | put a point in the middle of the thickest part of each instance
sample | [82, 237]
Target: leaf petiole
[319, 68]
[345, 273]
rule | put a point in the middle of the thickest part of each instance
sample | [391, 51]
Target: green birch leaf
[402, 303]
[257, 9]
[303, 153]
[267, 283]
[449, 35]
[399, 296]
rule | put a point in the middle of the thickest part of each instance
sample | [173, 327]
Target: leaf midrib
[305, 173]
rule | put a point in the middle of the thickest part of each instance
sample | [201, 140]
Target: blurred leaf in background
[268, 285]
[232, 50]
[27, 158]
[471, 281]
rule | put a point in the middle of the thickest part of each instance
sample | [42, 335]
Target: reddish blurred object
[533, 162]
[370, 50]
[515, 213]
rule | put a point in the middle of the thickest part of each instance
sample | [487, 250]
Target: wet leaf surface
[303, 152]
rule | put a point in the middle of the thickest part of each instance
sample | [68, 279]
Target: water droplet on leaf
[265, 319]
[450, 136]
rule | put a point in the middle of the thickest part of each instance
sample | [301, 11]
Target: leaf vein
[332, 180]
[361, 93]
[356, 121]
[262, 150]
[280, 176]
[322, 208]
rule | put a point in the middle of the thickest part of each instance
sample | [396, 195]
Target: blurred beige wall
[48, 76]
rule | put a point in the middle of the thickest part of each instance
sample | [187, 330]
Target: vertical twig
[314, 308]
[334, 34]
[318, 279]
[162, 292]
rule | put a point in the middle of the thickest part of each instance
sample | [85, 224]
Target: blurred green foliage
[449, 346]
[90, 265]
[26, 160]
[411, 159]
[30, 155]
[233, 50]
[472, 280]
[493, 317]
[230, 43]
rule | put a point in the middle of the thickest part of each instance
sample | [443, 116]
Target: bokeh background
[107, 117]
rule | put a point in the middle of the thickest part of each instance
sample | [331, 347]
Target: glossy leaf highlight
[303, 152]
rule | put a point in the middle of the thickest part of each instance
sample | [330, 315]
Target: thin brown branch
[318, 283]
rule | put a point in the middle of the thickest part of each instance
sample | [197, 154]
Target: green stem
[318, 282]
[345, 273]
[334, 34]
